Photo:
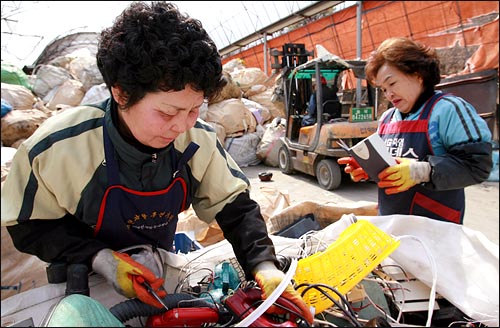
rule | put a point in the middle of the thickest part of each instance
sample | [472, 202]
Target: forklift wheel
[328, 174]
[285, 160]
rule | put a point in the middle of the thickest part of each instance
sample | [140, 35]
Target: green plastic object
[225, 279]
[308, 74]
[14, 75]
[77, 310]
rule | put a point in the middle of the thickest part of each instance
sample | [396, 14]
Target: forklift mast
[292, 55]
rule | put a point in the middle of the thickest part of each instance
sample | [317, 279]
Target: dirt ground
[481, 211]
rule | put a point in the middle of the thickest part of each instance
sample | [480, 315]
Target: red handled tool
[244, 300]
[152, 292]
[184, 317]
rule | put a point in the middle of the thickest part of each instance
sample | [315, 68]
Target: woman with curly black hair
[100, 178]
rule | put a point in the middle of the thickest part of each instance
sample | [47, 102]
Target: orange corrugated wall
[439, 24]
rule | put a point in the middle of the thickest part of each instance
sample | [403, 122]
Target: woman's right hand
[128, 277]
[352, 167]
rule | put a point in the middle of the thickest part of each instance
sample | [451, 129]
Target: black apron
[129, 217]
[410, 139]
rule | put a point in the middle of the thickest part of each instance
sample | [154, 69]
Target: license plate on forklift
[364, 114]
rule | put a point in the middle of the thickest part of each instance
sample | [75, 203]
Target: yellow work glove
[128, 276]
[404, 175]
[352, 167]
[268, 277]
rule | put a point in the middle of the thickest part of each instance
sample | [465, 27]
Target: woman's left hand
[268, 277]
[404, 175]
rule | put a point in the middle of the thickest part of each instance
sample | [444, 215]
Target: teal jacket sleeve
[461, 142]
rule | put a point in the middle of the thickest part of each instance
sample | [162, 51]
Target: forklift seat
[333, 108]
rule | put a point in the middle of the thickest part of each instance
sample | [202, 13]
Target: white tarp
[466, 262]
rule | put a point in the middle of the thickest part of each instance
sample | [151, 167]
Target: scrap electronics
[379, 295]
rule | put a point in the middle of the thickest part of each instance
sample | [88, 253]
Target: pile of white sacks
[246, 116]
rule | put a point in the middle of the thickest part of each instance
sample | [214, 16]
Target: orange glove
[352, 167]
[404, 175]
[268, 277]
[127, 276]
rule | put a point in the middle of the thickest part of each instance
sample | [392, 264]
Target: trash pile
[242, 114]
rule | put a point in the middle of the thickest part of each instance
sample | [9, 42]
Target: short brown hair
[408, 57]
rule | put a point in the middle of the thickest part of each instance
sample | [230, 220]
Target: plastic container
[358, 250]
[184, 243]
[297, 229]
[265, 176]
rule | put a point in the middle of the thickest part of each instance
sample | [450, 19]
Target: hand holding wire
[268, 277]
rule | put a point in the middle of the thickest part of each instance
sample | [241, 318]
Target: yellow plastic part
[358, 250]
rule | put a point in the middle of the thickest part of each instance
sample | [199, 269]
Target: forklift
[313, 149]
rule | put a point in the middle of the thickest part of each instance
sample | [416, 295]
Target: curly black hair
[154, 47]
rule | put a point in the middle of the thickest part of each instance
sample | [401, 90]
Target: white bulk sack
[233, 115]
[17, 96]
[47, 78]
[242, 149]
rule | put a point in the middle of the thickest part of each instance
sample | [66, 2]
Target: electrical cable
[351, 316]
[186, 277]
[432, 296]
[399, 267]
[385, 282]
[391, 290]
[403, 301]
[339, 294]
[472, 323]
[256, 303]
[306, 239]
[310, 236]
[299, 315]
[209, 295]
[271, 298]
[320, 241]
[299, 249]
[203, 252]
[379, 309]
[324, 323]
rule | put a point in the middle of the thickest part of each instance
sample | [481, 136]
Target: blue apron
[129, 217]
[410, 139]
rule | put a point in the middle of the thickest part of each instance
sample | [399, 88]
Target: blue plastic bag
[6, 107]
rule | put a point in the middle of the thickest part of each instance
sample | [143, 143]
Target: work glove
[147, 258]
[352, 167]
[404, 175]
[128, 277]
[268, 277]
